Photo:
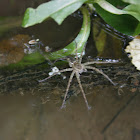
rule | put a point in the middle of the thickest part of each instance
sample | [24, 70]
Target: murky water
[111, 117]
[31, 110]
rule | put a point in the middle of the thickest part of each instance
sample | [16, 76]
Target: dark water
[111, 117]
[31, 110]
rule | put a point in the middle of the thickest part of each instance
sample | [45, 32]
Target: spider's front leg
[67, 89]
[80, 85]
[64, 70]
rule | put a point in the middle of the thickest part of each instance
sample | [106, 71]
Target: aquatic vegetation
[35, 53]
[127, 16]
[125, 13]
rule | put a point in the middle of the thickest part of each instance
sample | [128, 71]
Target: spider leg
[67, 89]
[79, 82]
[80, 59]
[64, 70]
[99, 71]
[96, 62]
[76, 51]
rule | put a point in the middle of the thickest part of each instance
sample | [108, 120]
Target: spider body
[78, 68]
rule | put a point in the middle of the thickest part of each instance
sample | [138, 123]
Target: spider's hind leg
[99, 71]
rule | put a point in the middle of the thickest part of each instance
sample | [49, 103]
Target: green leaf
[109, 7]
[117, 3]
[56, 9]
[133, 10]
[80, 40]
[137, 30]
[132, 1]
[70, 49]
[124, 23]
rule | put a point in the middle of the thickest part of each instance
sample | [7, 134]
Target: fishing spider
[78, 68]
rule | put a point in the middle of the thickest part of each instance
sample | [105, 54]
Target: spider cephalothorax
[77, 68]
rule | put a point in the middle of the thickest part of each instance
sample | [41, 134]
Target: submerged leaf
[56, 9]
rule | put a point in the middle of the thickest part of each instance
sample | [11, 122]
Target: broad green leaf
[62, 14]
[109, 7]
[117, 3]
[79, 41]
[124, 23]
[137, 30]
[133, 10]
[132, 1]
[56, 9]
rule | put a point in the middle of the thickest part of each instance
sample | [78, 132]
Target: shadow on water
[31, 110]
